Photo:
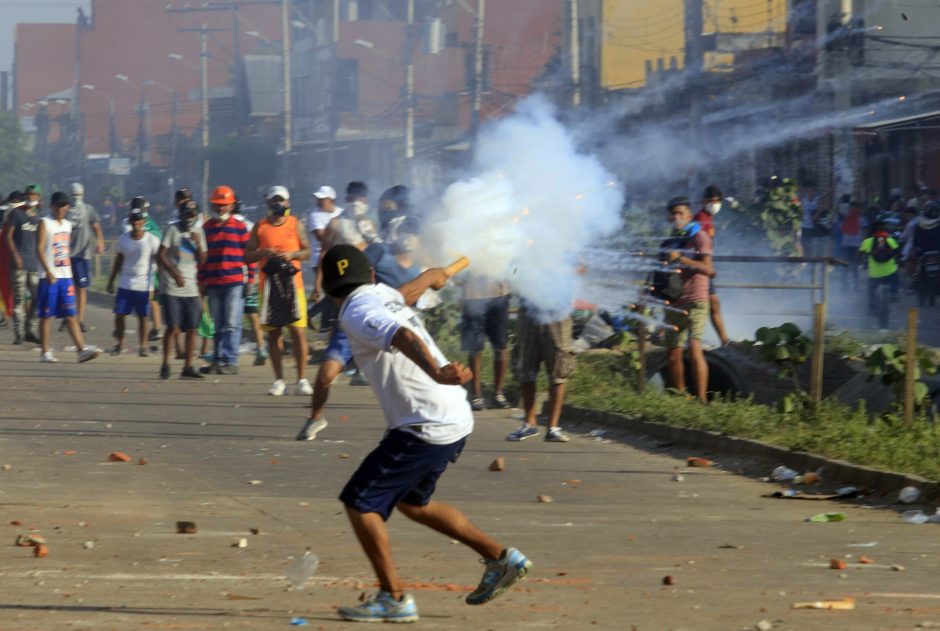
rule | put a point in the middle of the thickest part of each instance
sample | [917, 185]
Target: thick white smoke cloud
[531, 205]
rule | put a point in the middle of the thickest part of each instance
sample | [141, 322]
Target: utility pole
[479, 26]
[410, 90]
[694, 78]
[332, 111]
[286, 52]
[574, 53]
[204, 87]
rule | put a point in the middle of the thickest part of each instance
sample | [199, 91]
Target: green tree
[17, 166]
[781, 213]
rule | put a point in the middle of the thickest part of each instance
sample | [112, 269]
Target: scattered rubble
[545, 499]
[498, 465]
[118, 456]
[186, 527]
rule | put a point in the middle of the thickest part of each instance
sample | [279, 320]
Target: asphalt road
[617, 526]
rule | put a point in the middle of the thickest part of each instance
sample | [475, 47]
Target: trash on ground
[837, 564]
[810, 477]
[186, 527]
[909, 494]
[344, 456]
[142, 461]
[825, 517]
[255, 531]
[783, 474]
[730, 546]
[870, 544]
[498, 465]
[41, 551]
[6, 467]
[571, 482]
[844, 604]
[119, 456]
[69, 452]
[240, 542]
[229, 596]
[847, 492]
[914, 517]
[302, 569]
[297, 621]
[30, 540]
[764, 625]
[702, 463]
[796, 494]
[898, 568]
[865, 559]
[677, 476]
[545, 499]
[669, 580]
[88, 545]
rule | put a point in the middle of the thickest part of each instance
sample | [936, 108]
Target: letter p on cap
[341, 266]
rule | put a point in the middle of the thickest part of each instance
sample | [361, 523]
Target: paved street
[617, 526]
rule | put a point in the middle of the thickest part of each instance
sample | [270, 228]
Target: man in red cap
[223, 276]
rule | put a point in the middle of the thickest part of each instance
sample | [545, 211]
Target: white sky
[13, 12]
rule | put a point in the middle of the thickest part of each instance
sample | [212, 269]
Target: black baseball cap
[345, 265]
[183, 193]
[59, 199]
[682, 200]
[139, 203]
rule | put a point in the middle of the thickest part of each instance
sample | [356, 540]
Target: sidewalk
[618, 523]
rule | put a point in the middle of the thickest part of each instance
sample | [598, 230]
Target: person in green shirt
[881, 252]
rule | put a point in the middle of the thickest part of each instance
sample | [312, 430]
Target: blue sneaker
[524, 431]
[500, 575]
[382, 608]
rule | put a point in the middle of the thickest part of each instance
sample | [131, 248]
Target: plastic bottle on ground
[914, 517]
[302, 569]
[909, 494]
[782, 474]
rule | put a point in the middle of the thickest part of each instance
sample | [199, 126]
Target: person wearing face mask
[279, 244]
[689, 249]
[86, 235]
[711, 204]
[182, 250]
[394, 208]
[21, 227]
[223, 278]
[317, 222]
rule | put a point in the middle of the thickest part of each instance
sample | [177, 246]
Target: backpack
[881, 250]
[666, 284]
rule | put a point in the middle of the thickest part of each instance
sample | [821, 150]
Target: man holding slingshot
[428, 421]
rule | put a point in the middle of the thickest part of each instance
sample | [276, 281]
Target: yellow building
[639, 31]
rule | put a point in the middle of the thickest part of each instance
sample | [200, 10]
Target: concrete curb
[705, 442]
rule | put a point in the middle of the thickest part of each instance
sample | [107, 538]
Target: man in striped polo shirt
[223, 276]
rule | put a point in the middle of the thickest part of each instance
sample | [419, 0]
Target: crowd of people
[204, 276]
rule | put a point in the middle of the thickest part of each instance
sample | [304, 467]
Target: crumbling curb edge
[704, 441]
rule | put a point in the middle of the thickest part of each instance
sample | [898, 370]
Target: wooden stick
[819, 347]
[910, 366]
[457, 266]
[844, 604]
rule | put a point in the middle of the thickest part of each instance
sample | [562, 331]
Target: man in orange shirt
[279, 243]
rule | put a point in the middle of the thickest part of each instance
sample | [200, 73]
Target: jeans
[226, 305]
[894, 287]
[24, 306]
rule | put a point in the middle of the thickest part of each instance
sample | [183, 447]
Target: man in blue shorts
[135, 261]
[428, 420]
[55, 295]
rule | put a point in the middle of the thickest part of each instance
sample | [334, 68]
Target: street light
[183, 60]
[174, 128]
[112, 131]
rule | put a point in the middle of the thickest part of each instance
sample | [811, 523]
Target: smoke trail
[531, 205]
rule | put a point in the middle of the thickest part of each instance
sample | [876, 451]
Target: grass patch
[833, 430]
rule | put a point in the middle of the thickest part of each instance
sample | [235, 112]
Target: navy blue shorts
[483, 319]
[403, 468]
[338, 348]
[130, 302]
[181, 311]
[80, 272]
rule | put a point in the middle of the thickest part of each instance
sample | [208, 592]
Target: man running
[428, 419]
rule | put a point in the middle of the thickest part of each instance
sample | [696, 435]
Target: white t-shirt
[57, 251]
[412, 401]
[139, 261]
[318, 220]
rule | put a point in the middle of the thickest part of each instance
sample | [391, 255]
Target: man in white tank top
[56, 292]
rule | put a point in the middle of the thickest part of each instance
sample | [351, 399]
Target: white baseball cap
[278, 191]
[325, 192]
[76, 189]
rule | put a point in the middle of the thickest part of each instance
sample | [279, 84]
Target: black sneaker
[228, 369]
[154, 336]
[32, 338]
[501, 401]
[165, 371]
[190, 373]
[17, 340]
[211, 369]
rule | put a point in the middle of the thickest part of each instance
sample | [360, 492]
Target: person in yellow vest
[279, 243]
